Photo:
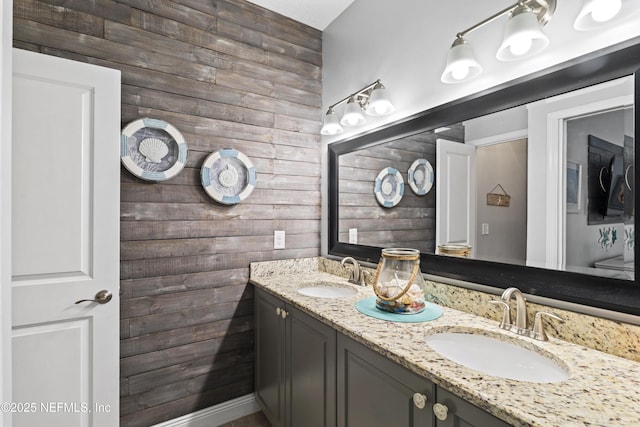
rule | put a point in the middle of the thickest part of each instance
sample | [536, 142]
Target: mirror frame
[618, 295]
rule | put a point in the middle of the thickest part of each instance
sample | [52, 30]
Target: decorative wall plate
[228, 176]
[389, 187]
[421, 177]
[152, 149]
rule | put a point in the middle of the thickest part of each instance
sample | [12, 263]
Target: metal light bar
[361, 96]
[544, 9]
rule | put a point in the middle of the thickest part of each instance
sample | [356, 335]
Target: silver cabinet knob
[420, 400]
[281, 312]
[101, 297]
[441, 411]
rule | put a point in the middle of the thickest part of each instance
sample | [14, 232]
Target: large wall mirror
[530, 184]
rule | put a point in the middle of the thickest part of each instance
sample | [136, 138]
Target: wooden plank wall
[412, 222]
[226, 73]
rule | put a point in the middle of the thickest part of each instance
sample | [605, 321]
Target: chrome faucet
[357, 274]
[520, 327]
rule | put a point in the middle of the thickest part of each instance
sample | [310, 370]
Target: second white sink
[327, 290]
[496, 357]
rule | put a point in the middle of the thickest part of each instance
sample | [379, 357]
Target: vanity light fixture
[596, 12]
[353, 114]
[371, 99]
[522, 37]
[461, 63]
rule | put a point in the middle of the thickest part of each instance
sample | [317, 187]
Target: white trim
[499, 139]
[216, 415]
[6, 74]
[556, 168]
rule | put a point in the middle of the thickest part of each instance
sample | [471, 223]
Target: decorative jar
[398, 282]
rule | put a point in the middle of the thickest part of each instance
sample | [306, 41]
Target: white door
[455, 194]
[65, 243]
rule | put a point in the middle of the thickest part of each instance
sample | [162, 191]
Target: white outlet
[485, 229]
[278, 239]
[353, 235]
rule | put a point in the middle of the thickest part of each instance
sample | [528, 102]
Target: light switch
[485, 229]
[278, 239]
[353, 235]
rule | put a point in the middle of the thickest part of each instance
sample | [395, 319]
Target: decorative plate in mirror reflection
[389, 187]
[421, 177]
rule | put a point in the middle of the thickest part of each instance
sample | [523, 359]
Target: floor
[254, 420]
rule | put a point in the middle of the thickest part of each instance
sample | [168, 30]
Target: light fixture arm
[543, 9]
[360, 96]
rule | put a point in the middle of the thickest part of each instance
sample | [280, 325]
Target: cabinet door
[461, 413]
[311, 371]
[376, 392]
[270, 360]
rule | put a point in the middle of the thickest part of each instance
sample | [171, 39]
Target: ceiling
[314, 13]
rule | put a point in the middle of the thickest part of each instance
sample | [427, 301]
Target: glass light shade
[595, 12]
[522, 37]
[331, 126]
[379, 102]
[461, 63]
[352, 114]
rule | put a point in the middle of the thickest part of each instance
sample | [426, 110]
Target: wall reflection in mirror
[548, 184]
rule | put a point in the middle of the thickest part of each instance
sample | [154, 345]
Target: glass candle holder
[398, 282]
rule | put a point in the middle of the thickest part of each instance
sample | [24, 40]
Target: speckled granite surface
[604, 390]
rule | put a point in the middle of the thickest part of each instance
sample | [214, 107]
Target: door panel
[456, 194]
[312, 371]
[270, 362]
[65, 242]
[373, 391]
[42, 366]
[52, 199]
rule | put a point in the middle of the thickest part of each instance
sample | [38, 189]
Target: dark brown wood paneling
[227, 74]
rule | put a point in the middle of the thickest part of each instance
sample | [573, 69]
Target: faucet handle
[506, 314]
[364, 274]
[538, 332]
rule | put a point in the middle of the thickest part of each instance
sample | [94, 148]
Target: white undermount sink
[497, 357]
[327, 290]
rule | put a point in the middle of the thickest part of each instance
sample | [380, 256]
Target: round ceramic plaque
[228, 176]
[421, 177]
[152, 149]
[389, 187]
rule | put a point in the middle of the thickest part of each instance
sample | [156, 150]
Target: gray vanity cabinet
[373, 391]
[270, 363]
[308, 375]
[295, 365]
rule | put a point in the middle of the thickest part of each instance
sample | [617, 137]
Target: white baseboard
[216, 415]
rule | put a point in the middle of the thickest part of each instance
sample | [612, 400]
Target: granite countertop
[603, 390]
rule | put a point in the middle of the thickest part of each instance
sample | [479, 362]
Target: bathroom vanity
[307, 372]
[320, 362]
